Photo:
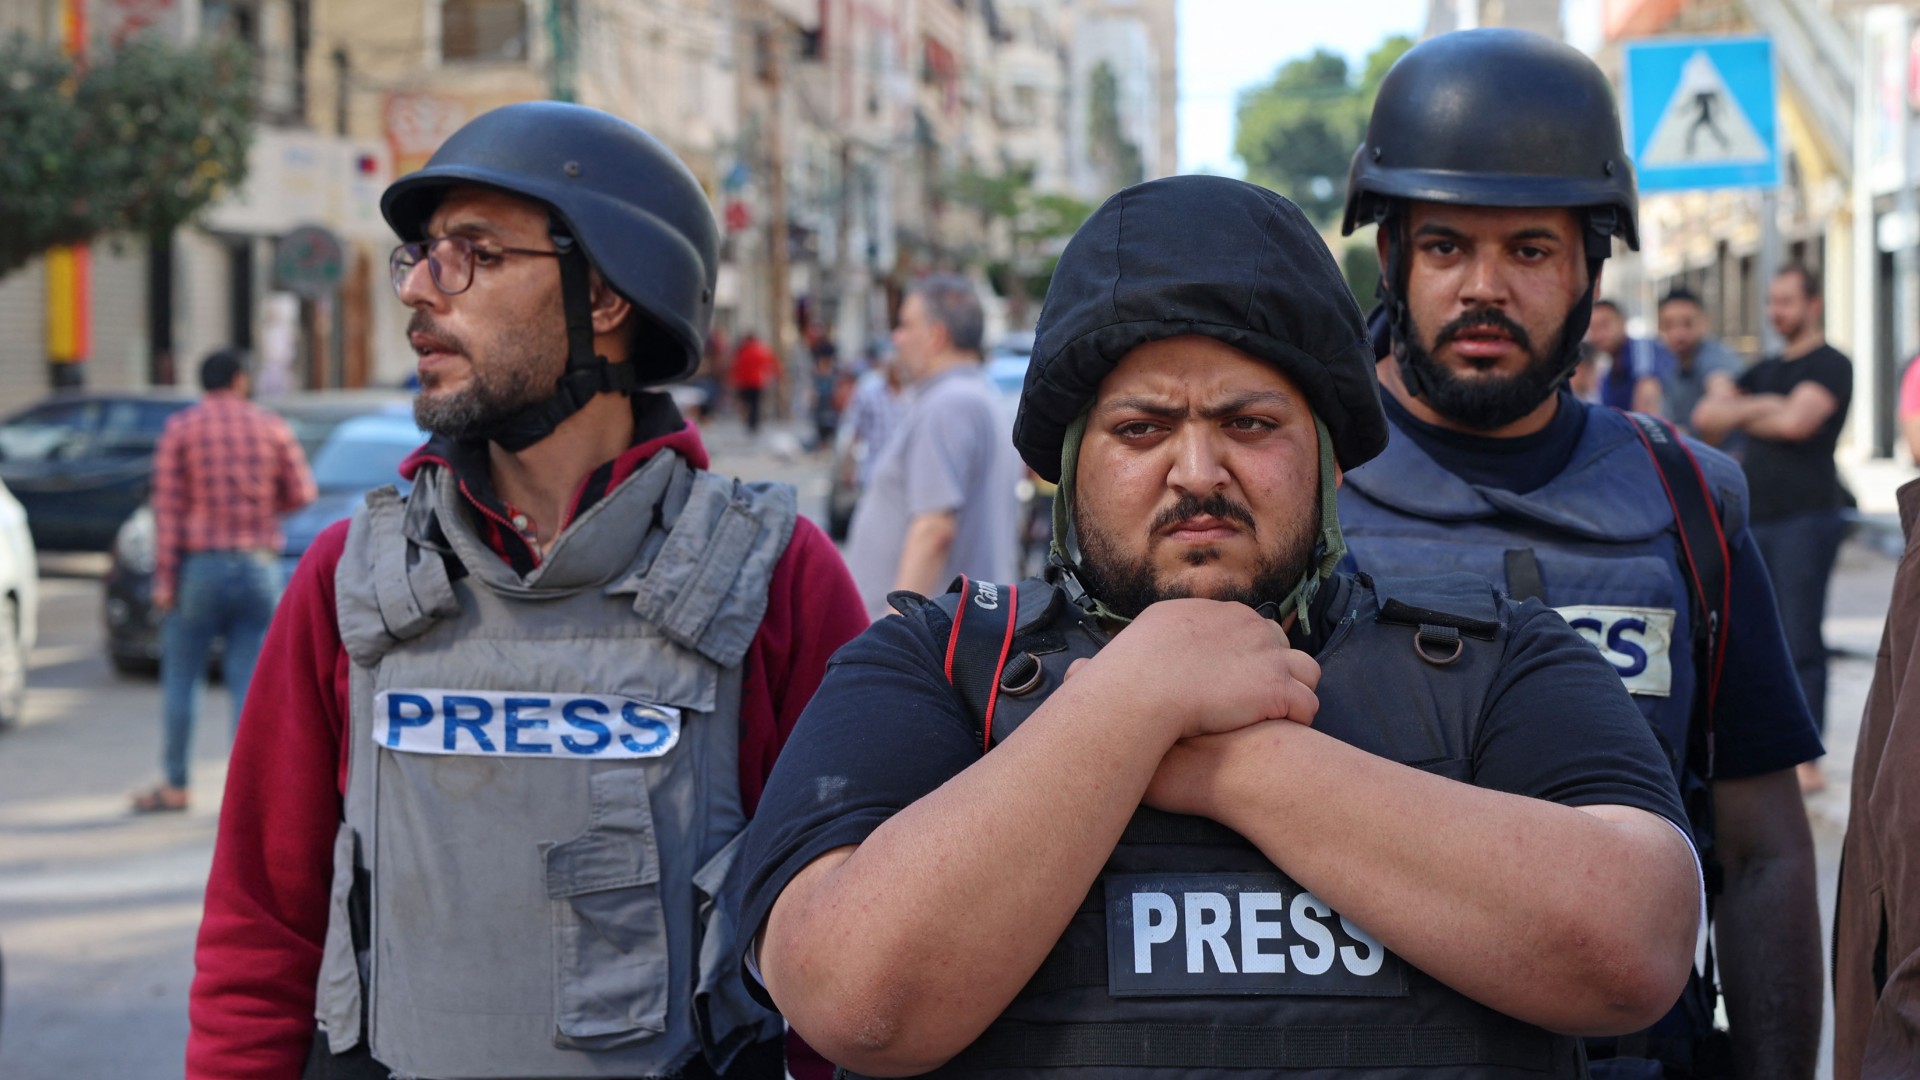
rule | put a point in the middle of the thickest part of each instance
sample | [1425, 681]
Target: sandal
[160, 798]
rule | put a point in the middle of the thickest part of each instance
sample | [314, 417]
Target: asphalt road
[98, 909]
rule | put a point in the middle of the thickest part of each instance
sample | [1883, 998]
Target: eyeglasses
[450, 261]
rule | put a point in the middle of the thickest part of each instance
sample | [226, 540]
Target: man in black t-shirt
[1199, 802]
[1791, 408]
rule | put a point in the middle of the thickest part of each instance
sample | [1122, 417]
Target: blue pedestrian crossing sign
[1700, 113]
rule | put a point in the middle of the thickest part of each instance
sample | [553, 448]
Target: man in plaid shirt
[224, 472]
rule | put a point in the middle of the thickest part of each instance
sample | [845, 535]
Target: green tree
[1037, 225]
[138, 141]
[1297, 133]
[1107, 144]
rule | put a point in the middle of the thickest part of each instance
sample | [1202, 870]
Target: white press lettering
[1351, 958]
[1301, 914]
[1149, 930]
[1208, 917]
[1253, 931]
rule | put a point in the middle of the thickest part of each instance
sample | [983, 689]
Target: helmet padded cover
[1204, 255]
[635, 209]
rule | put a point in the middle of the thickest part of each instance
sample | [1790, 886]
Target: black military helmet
[1496, 117]
[619, 198]
[1493, 117]
[1199, 255]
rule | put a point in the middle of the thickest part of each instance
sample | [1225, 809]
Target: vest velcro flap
[1461, 601]
[689, 592]
[410, 586]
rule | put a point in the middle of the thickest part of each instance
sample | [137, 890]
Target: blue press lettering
[508, 723]
[475, 725]
[396, 723]
[515, 724]
[653, 731]
[1618, 641]
[572, 712]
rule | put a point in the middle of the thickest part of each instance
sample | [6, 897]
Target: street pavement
[98, 909]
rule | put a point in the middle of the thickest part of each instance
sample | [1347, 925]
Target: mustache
[1215, 505]
[422, 323]
[1484, 317]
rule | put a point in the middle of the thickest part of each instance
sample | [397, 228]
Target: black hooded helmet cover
[618, 197]
[1200, 255]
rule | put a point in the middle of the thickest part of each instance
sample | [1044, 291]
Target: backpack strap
[1704, 558]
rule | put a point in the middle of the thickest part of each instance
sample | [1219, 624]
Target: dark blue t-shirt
[886, 728]
[1762, 724]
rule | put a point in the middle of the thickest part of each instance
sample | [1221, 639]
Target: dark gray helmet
[618, 198]
[1496, 117]
[1200, 255]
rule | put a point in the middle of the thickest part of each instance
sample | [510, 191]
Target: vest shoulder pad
[1466, 602]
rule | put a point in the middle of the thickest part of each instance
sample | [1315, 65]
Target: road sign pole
[1770, 342]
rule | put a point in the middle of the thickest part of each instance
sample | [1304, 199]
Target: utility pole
[781, 331]
[69, 268]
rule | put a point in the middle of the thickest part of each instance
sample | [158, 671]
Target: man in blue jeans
[1791, 408]
[223, 473]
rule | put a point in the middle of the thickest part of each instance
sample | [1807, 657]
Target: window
[483, 30]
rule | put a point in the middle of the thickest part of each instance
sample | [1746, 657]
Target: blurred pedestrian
[943, 497]
[754, 370]
[1791, 408]
[223, 473]
[872, 411]
[1910, 408]
[1699, 360]
[1632, 369]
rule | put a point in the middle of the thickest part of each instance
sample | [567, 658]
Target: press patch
[1237, 934]
[488, 723]
[1636, 641]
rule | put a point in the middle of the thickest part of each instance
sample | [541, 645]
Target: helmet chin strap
[1598, 241]
[587, 374]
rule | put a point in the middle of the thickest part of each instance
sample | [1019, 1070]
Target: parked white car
[19, 606]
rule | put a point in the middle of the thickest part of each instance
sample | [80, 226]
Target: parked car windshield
[54, 431]
[132, 428]
[365, 453]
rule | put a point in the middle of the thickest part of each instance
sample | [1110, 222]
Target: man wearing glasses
[481, 820]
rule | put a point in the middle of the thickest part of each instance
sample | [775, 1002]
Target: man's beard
[1128, 585]
[1489, 401]
[519, 375]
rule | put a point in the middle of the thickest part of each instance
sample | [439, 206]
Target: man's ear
[1602, 272]
[1339, 475]
[1380, 244]
[610, 310]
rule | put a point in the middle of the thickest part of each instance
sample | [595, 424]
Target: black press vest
[1193, 955]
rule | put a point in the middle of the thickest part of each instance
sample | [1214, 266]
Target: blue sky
[1228, 45]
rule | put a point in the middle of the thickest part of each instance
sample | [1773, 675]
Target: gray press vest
[1075, 1018]
[532, 916]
